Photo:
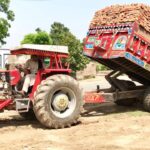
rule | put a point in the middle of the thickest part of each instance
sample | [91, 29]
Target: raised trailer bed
[124, 48]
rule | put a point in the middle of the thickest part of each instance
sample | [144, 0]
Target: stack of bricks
[119, 14]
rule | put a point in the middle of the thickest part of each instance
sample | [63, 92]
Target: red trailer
[125, 49]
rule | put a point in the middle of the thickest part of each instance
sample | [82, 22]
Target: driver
[31, 66]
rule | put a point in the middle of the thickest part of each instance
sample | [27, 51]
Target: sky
[74, 14]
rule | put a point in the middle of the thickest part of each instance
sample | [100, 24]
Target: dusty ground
[102, 127]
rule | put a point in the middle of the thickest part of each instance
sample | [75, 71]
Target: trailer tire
[146, 100]
[58, 101]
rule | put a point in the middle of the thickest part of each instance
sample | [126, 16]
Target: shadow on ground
[89, 111]
[109, 108]
[16, 120]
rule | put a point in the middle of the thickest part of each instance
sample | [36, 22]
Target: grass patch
[89, 76]
[138, 113]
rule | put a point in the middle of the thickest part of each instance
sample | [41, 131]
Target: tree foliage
[29, 39]
[62, 36]
[40, 37]
[8, 16]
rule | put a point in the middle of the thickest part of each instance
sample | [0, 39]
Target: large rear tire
[58, 101]
[146, 100]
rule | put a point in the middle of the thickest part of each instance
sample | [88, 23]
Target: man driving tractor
[30, 69]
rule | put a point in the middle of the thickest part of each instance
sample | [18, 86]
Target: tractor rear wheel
[146, 100]
[58, 101]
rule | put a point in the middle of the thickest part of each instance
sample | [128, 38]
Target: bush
[89, 76]
[101, 67]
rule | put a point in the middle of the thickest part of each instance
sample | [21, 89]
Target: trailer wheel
[58, 101]
[146, 100]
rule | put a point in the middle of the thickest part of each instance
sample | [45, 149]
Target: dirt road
[101, 127]
[104, 127]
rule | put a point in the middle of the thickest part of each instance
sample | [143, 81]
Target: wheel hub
[60, 102]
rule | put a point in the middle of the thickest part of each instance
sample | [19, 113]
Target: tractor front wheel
[58, 101]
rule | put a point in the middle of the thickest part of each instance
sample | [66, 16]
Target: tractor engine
[5, 87]
[8, 80]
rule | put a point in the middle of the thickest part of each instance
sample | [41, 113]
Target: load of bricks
[119, 14]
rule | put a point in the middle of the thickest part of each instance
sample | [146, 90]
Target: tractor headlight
[6, 85]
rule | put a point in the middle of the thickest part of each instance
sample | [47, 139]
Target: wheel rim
[63, 102]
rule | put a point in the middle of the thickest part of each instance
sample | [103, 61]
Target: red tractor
[55, 98]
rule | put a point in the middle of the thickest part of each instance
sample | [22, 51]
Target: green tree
[29, 39]
[8, 16]
[62, 36]
[40, 37]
